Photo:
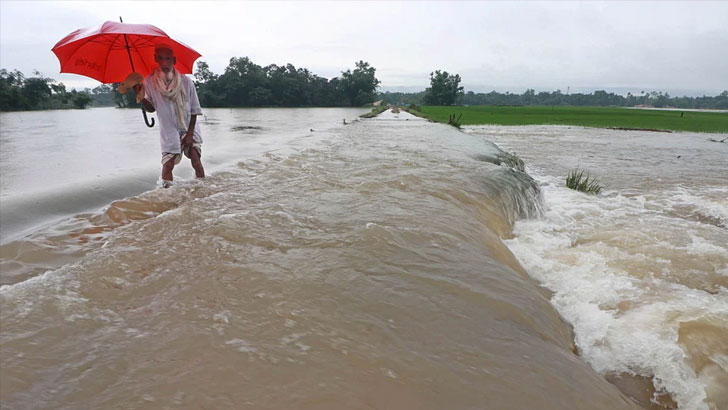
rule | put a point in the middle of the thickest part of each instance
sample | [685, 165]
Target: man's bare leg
[197, 163]
[167, 170]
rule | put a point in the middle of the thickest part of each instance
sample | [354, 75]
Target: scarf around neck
[174, 91]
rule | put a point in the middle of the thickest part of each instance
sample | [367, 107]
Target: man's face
[165, 59]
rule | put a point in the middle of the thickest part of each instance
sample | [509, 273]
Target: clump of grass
[455, 122]
[512, 160]
[581, 181]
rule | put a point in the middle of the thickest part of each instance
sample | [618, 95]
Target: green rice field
[598, 117]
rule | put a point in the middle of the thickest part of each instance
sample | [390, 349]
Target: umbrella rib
[106, 64]
[144, 62]
[101, 40]
[137, 40]
[134, 49]
[146, 66]
[143, 42]
[118, 43]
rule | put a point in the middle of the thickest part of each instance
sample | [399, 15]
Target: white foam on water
[242, 345]
[701, 246]
[626, 320]
[713, 205]
[19, 299]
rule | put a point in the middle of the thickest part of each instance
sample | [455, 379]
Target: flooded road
[323, 265]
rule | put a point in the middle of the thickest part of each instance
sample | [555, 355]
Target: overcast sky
[674, 46]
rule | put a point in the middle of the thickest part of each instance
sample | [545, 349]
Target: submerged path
[362, 267]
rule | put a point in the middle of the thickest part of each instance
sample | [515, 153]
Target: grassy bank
[375, 111]
[598, 117]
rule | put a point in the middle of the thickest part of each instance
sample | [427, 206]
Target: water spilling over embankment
[641, 271]
[357, 267]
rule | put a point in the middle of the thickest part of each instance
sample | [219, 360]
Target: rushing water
[641, 270]
[57, 163]
[324, 265]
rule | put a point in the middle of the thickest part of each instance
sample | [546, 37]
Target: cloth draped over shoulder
[173, 91]
[174, 101]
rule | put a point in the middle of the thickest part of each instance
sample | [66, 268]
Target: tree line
[242, 84]
[19, 93]
[445, 90]
[246, 84]
[597, 98]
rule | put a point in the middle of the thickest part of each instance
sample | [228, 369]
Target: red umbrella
[113, 50]
[110, 52]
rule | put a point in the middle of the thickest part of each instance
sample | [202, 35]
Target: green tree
[81, 100]
[240, 78]
[444, 89]
[127, 100]
[721, 101]
[59, 91]
[360, 85]
[11, 84]
[208, 86]
[528, 96]
[103, 96]
[36, 91]
[203, 74]
[260, 96]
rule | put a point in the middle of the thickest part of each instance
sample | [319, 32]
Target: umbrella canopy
[110, 52]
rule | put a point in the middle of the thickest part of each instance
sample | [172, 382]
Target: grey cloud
[659, 45]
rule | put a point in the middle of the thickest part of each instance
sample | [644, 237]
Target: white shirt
[169, 134]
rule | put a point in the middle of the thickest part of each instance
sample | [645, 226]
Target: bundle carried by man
[132, 80]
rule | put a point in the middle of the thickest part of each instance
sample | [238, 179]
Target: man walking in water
[174, 97]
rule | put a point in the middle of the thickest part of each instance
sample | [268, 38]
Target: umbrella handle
[146, 120]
